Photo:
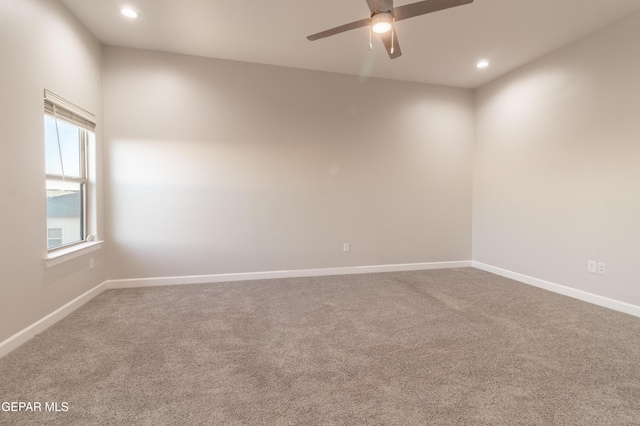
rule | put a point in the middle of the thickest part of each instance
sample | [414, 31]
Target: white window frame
[82, 180]
[64, 110]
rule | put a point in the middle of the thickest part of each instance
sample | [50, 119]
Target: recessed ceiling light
[129, 13]
[482, 64]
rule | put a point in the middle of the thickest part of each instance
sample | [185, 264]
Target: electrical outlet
[345, 247]
[592, 266]
[91, 263]
[602, 268]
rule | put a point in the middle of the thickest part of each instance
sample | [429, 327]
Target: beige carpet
[444, 347]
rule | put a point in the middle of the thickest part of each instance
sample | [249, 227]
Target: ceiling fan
[383, 16]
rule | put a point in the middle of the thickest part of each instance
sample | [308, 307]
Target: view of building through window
[65, 149]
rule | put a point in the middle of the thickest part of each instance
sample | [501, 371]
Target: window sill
[66, 254]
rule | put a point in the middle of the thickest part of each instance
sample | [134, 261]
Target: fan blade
[380, 5]
[389, 39]
[342, 28]
[423, 7]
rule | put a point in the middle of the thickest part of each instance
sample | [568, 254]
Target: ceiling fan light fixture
[482, 64]
[381, 22]
[129, 13]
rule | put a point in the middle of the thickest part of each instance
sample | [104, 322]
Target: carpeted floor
[442, 347]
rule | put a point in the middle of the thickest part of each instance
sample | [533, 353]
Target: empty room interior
[257, 213]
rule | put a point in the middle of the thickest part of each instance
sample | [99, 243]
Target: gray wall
[557, 166]
[215, 166]
[43, 46]
[218, 167]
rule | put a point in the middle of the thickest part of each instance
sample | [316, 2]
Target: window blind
[67, 111]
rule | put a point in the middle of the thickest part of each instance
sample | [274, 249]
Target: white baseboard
[39, 326]
[295, 273]
[616, 305]
[42, 324]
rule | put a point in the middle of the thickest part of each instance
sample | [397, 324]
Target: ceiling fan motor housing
[381, 22]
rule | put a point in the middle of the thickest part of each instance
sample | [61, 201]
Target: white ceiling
[439, 48]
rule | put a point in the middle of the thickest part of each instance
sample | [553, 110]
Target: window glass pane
[54, 237]
[54, 232]
[64, 213]
[69, 147]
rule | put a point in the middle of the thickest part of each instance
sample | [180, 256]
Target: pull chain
[370, 31]
[392, 34]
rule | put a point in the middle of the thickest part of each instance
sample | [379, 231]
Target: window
[67, 137]
[54, 237]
